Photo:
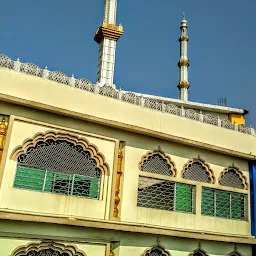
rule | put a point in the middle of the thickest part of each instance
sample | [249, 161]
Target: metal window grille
[58, 167]
[224, 204]
[196, 171]
[57, 183]
[231, 179]
[165, 195]
[157, 164]
[45, 252]
[157, 252]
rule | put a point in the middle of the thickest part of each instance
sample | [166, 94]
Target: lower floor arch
[47, 248]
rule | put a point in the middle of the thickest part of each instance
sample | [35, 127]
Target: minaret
[106, 36]
[183, 62]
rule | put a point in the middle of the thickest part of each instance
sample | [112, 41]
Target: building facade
[137, 175]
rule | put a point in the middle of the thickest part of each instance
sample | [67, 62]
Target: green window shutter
[183, 199]
[29, 178]
[94, 188]
[222, 204]
[237, 208]
[207, 202]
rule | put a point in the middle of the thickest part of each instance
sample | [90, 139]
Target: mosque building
[90, 170]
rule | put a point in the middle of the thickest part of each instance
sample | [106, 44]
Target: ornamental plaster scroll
[75, 140]
[205, 166]
[156, 248]
[239, 173]
[70, 250]
[165, 157]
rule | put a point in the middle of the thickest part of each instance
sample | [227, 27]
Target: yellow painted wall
[91, 241]
[180, 155]
[9, 245]
[235, 118]
[48, 92]
[46, 203]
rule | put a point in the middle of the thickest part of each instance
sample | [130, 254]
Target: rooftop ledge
[187, 109]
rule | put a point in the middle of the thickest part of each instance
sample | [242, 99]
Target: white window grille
[165, 195]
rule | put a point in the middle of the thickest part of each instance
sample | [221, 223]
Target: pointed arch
[232, 177]
[51, 136]
[198, 170]
[49, 248]
[157, 250]
[158, 162]
[199, 252]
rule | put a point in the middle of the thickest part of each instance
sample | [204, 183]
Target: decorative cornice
[204, 164]
[183, 84]
[183, 38]
[163, 155]
[240, 174]
[77, 141]
[182, 62]
[70, 250]
[108, 31]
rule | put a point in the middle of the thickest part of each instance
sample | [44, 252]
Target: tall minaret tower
[183, 62]
[106, 36]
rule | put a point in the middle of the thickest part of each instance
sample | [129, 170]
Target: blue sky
[222, 47]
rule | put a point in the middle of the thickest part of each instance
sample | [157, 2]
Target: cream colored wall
[9, 245]
[93, 241]
[180, 155]
[46, 203]
[82, 102]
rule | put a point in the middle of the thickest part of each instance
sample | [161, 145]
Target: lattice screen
[157, 252]
[46, 252]
[156, 163]
[196, 171]
[231, 179]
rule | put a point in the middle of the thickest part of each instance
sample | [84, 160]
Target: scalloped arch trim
[75, 140]
[201, 252]
[70, 250]
[239, 173]
[156, 247]
[205, 165]
[163, 155]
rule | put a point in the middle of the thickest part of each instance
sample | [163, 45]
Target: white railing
[130, 97]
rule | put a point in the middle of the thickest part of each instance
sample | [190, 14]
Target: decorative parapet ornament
[155, 103]
[3, 131]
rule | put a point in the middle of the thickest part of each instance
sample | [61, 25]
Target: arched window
[47, 248]
[59, 163]
[158, 191]
[199, 252]
[156, 251]
[159, 163]
[233, 177]
[198, 170]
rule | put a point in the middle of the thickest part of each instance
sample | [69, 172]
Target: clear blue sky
[222, 47]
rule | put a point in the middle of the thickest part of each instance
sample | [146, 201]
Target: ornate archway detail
[156, 250]
[235, 252]
[205, 166]
[239, 175]
[75, 140]
[48, 245]
[199, 251]
[161, 158]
